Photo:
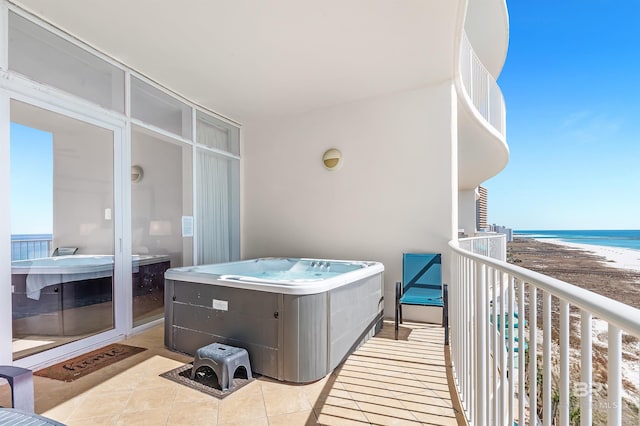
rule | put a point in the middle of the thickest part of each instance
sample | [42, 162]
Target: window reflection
[62, 204]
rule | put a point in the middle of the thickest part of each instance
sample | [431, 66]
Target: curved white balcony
[483, 151]
[493, 374]
[482, 88]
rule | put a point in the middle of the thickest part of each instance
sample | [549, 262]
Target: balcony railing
[30, 249]
[481, 87]
[511, 353]
[490, 245]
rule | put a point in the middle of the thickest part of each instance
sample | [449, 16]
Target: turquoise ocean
[629, 239]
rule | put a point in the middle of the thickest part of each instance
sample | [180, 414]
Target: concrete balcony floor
[385, 382]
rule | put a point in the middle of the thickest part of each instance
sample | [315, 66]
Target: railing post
[511, 347]
[504, 374]
[614, 373]
[563, 387]
[533, 357]
[481, 347]
[497, 343]
[585, 368]
[521, 353]
[546, 359]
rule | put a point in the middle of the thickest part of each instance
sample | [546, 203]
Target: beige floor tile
[93, 421]
[434, 419]
[382, 399]
[301, 418]
[5, 394]
[334, 397]
[315, 389]
[345, 415]
[243, 405]
[423, 399]
[192, 413]
[63, 411]
[246, 422]
[384, 382]
[143, 418]
[185, 394]
[106, 404]
[415, 407]
[151, 399]
[382, 419]
[384, 409]
[281, 398]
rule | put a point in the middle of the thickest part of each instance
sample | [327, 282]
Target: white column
[6, 356]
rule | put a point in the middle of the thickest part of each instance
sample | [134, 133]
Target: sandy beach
[610, 271]
[617, 257]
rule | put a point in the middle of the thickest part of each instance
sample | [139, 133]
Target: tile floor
[385, 382]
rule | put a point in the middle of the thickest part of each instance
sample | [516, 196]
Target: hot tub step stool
[223, 360]
[21, 384]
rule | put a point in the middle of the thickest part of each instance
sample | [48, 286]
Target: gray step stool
[224, 360]
[21, 383]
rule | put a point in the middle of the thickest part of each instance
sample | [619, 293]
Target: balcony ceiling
[252, 59]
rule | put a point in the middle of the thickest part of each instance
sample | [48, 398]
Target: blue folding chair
[422, 286]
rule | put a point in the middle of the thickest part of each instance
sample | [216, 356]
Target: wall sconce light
[332, 159]
[160, 228]
[136, 174]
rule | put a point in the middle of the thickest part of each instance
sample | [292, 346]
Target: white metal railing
[490, 245]
[481, 87]
[30, 249]
[511, 367]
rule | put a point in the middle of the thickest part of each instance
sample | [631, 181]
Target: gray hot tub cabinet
[295, 338]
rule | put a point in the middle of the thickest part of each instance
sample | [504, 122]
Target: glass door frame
[26, 91]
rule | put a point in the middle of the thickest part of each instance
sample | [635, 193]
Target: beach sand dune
[612, 272]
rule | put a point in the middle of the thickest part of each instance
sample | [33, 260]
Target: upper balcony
[483, 151]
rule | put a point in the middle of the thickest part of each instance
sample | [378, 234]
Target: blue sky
[571, 84]
[31, 180]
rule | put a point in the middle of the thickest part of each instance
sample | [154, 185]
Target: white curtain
[213, 198]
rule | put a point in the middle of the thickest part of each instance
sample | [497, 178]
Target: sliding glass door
[62, 226]
[161, 196]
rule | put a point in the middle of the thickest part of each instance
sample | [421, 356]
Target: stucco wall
[467, 211]
[396, 191]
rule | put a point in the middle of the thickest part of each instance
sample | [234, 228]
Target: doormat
[80, 366]
[207, 384]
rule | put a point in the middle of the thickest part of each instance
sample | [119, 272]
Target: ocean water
[610, 238]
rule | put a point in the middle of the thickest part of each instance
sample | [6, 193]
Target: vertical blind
[216, 187]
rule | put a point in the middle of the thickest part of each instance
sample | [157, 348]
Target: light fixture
[160, 228]
[136, 174]
[332, 159]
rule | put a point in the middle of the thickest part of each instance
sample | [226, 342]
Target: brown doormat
[208, 384]
[82, 365]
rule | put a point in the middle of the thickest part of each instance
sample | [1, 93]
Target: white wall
[467, 211]
[396, 191]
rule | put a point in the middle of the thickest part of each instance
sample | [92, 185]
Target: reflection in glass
[158, 202]
[62, 198]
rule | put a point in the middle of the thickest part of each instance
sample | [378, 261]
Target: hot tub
[297, 318]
